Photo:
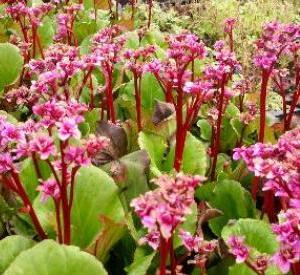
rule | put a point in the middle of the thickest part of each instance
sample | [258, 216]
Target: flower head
[49, 188]
[238, 248]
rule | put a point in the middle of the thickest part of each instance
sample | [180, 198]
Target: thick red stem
[138, 102]
[58, 222]
[109, 96]
[172, 257]
[64, 196]
[292, 110]
[28, 205]
[263, 97]
[269, 206]
[164, 249]
[180, 131]
[215, 149]
[150, 14]
[85, 79]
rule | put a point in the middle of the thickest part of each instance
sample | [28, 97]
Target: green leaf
[131, 174]
[92, 117]
[140, 264]
[228, 136]
[237, 126]
[151, 91]
[233, 200]
[84, 29]
[95, 194]
[11, 63]
[50, 258]
[111, 233]
[84, 128]
[205, 191]
[29, 178]
[155, 146]
[205, 129]
[46, 31]
[232, 110]
[132, 40]
[46, 214]
[194, 157]
[258, 234]
[10, 248]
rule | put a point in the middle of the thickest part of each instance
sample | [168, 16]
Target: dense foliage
[133, 143]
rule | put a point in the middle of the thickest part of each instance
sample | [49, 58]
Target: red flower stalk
[174, 76]
[135, 64]
[220, 74]
[277, 39]
[106, 49]
[163, 210]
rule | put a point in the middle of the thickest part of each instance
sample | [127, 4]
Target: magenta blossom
[163, 209]
[68, 129]
[49, 189]
[237, 248]
[43, 145]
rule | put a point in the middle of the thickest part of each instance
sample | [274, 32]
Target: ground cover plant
[131, 145]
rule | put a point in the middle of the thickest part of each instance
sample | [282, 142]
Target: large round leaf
[11, 63]
[95, 194]
[50, 258]
[10, 248]
[233, 200]
[194, 160]
[155, 146]
[257, 232]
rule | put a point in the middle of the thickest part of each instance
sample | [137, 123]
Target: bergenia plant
[167, 196]
[180, 86]
[51, 138]
[163, 210]
[135, 64]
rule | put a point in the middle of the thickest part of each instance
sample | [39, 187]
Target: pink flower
[13, 133]
[229, 24]
[68, 129]
[163, 209]
[43, 145]
[76, 155]
[49, 188]
[6, 163]
[238, 248]
[285, 258]
[95, 144]
[190, 242]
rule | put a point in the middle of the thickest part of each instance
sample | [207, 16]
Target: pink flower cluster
[185, 47]
[164, 208]
[65, 22]
[136, 58]
[196, 243]
[278, 164]
[56, 119]
[226, 63]
[237, 248]
[20, 10]
[241, 252]
[276, 39]
[107, 46]
[288, 235]
[229, 24]
[53, 73]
